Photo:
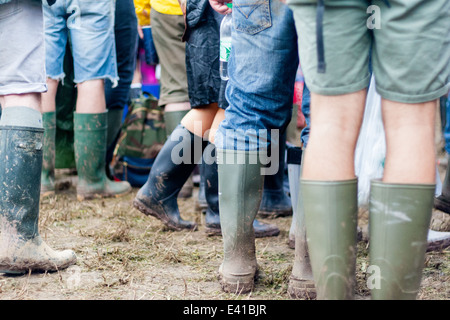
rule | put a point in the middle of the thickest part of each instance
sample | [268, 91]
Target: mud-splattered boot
[212, 217]
[172, 167]
[301, 281]
[90, 132]
[172, 119]
[240, 192]
[48, 158]
[442, 202]
[21, 247]
[399, 218]
[331, 211]
[275, 202]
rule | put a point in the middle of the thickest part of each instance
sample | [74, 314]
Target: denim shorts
[90, 26]
[22, 63]
[409, 43]
[262, 69]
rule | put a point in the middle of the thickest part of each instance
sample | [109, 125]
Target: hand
[220, 6]
[140, 32]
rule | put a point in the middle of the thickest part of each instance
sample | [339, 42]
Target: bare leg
[410, 149]
[49, 97]
[91, 97]
[198, 121]
[335, 125]
[31, 100]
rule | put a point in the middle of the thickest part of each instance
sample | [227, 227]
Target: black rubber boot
[21, 247]
[212, 217]
[158, 196]
[442, 202]
[275, 202]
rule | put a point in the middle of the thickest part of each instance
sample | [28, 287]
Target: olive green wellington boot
[331, 212]
[90, 133]
[240, 193]
[48, 154]
[21, 247]
[172, 119]
[399, 218]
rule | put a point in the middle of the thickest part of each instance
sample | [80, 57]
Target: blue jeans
[262, 69]
[306, 104]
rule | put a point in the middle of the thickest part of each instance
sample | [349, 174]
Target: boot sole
[274, 214]
[238, 287]
[163, 218]
[438, 245]
[442, 205]
[301, 289]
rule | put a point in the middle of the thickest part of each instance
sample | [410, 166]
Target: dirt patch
[123, 254]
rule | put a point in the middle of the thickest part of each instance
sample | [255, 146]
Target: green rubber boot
[48, 157]
[90, 131]
[21, 247]
[331, 212]
[240, 193]
[399, 218]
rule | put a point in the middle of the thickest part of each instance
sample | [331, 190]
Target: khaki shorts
[167, 31]
[409, 46]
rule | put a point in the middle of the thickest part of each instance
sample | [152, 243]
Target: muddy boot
[301, 281]
[331, 211]
[442, 202]
[212, 217]
[275, 202]
[114, 126]
[90, 133]
[294, 160]
[399, 218]
[240, 191]
[172, 120]
[21, 247]
[158, 196]
[201, 203]
[48, 163]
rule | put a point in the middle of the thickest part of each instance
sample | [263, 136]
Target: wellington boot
[275, 202]
[172, 119]
[90, 131]
[48, 162]
[240, 191]
[158, 196]
[331, 211]
[294, 161]
[212, 217]
[21, 247]
[399, 218]
[201, 203]
[301, 281]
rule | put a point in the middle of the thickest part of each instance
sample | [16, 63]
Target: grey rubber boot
[48, 162]
[399, 218]
[240, 192]
[21, 247]
[301, 281]
[331, 212]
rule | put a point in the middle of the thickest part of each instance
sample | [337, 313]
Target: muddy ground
[123, 254]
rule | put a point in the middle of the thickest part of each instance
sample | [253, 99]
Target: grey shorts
[410, 47]
[22, 53]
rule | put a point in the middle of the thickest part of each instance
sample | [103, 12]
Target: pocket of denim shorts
[97, 14]
[252, 16]
[9, 9]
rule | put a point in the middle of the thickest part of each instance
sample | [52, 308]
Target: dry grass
[123, 254]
